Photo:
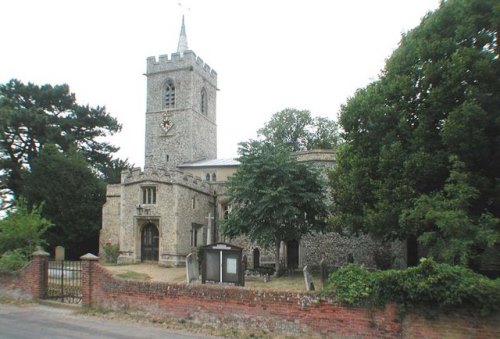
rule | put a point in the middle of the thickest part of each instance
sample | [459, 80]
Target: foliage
[111, 252]
[351, 284]
[274, 197]
[23, 229]
[12, 261]
[434, 106]
[73, 197]
[430, 284]
[297, 130]
[447, 229]
[32, 116]
[111, 171]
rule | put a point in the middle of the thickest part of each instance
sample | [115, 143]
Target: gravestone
[59, 253]
[191, 268]
[324, 271]
[308, 279]
[244, 263]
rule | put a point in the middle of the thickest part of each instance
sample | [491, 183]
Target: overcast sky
[269, 55]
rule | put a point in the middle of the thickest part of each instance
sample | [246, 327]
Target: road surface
[38, 321]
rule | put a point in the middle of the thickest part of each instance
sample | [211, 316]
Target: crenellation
[163, 59]
[164, 63]
[175, 57]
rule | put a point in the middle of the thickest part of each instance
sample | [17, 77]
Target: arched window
[207, 177]
[169, 94]
[204, 101]
[214, 177]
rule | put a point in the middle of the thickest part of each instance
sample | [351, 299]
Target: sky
[269, 54]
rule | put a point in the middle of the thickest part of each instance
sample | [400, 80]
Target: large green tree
[32, 116]
[298, 131]
[274, 197]
[435, 105]
[72, 198]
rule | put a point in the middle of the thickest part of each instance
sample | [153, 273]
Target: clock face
[166, 124]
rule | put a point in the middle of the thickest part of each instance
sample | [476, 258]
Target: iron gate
[65, 281]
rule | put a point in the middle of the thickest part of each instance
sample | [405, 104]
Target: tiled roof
[211, 163]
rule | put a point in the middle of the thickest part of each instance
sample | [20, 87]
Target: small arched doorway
[149, 242]
[256, 258]
[292, 254]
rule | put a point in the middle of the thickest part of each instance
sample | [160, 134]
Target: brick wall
[228, 306]
[28, 283]
[237, 307]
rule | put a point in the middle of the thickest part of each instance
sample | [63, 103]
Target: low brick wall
[228, 306]
[239, 307]
[29, 283]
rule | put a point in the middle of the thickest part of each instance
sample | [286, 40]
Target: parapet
[178, 60]
[173, 177]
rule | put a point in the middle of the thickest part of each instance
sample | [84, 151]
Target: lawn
[152, 272]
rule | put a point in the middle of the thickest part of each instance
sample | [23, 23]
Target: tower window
[204, 102]
[207, 177]
[169, 94]
[214, 177]
[149, 195]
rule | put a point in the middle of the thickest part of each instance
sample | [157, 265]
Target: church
[165, 211]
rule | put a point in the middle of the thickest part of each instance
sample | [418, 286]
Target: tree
[111, 170]
[274, 197]
[32, 116]
[445, 223]
[72, 195]
[23, 229]
[297, 130]
[436, 100]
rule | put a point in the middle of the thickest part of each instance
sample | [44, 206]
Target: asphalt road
[38, 321]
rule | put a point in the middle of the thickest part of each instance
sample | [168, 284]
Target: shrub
[111, 252]
[12, 261]
[438, 286]
[352, 284]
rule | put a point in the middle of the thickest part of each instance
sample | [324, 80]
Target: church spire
[183, 43]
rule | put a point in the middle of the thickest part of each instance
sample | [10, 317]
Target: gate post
[88, 261]
[39, 274]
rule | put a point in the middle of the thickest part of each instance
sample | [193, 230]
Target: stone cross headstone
[324, 271]
[191, 268]
[308, 279]
[210, 231]
[60, 253]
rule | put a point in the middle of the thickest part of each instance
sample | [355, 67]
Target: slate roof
[210, 163]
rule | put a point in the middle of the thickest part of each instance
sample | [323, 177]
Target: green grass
[294, 282]
[131, 275]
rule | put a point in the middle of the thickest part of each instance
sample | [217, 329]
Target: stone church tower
[164, 212]
[181, 109]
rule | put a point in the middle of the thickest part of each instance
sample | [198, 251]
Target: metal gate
[65, 281]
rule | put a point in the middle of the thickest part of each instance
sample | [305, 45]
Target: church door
[292, 254]
[149, 242]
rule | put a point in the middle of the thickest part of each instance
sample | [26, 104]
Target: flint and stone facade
[170, 208]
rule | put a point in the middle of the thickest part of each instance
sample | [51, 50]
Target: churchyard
[153, 272]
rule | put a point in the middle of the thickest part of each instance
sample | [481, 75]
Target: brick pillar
[88, 262]
[39, 274]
